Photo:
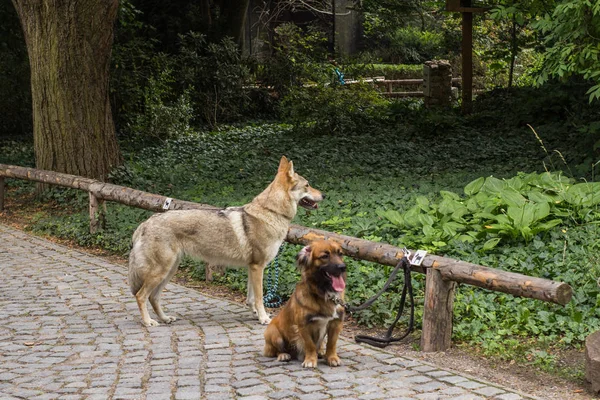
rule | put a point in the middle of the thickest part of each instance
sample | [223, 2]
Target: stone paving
[71, 330]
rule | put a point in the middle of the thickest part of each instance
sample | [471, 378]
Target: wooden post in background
[437, 312]
[211, 270]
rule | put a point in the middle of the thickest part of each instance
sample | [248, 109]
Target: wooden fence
[389, 85]
[442, 273]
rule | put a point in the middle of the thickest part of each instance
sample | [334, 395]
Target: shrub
[161, 117]
[298, 57]
[518, 208]
[214, 74]
[334, 109]
[410, 45]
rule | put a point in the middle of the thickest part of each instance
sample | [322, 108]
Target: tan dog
[247, 236]
[313, 310]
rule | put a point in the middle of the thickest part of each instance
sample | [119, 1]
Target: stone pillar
[437, 83]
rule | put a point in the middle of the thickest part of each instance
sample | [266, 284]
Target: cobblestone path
[71, 330]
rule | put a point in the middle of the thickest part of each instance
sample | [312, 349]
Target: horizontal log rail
[450, 269]
[438, 302]
[390, 83]
[403, 94]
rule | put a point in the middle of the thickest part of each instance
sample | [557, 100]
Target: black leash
[388, 339]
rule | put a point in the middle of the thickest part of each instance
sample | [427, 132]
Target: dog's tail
[134, 279]
[135, 283]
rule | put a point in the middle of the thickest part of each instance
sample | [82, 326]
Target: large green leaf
[492, 185]
[490, 244]
[451, 228]
[460, 213]
[448, 206]
[515, 183]
[585, 194]
[449, 195]
[546, 226]
[553, 181]
[541, 210]
[425, 220]
[392, 216]
[411, 218]
[539, 197]
[474, 186]
[422, 203]
[503, 219]
[522, 216]
[472, 205]
[430, 231]
[511, 197]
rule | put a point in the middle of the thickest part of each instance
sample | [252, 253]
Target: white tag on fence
[418, 257]
[167, 203]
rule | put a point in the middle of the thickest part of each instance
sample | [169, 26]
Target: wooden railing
[389, 85]
[442, 273]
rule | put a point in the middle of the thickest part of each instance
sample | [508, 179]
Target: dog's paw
[168, 319]
[321, 353]
[310, 362]
[264, 320]
[334, 361]
[151, 322]
[283, 357]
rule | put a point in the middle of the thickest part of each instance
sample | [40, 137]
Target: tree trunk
[69, 45]
[233, 15]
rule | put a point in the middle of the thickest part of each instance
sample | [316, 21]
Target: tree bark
[69, 45]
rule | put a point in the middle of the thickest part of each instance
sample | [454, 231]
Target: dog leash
[404, 264]
[272, 299]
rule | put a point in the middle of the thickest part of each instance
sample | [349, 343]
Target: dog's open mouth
[337, 282]
[308, 204]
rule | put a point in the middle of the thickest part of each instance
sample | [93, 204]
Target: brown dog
[313, 310]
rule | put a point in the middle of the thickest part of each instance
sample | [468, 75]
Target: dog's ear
[283, 164]
[291, 170]
[303, 257]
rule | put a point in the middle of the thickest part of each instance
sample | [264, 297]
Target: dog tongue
[338, 283]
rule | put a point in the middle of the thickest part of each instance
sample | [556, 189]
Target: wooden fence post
[97, 213]
[1, 193]
[210, 271]
[437, 312]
